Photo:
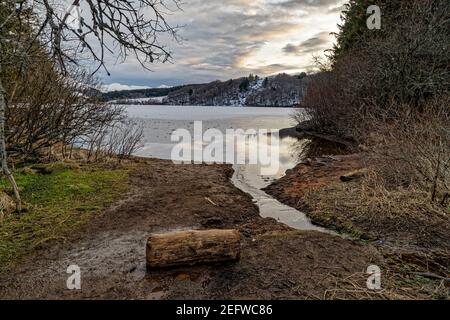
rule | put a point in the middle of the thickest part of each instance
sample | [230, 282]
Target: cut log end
[187, 248]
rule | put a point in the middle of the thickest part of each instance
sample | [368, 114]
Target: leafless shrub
[114, 140]
[326, 110]
[48, 109]
[411, 148]
[125, 138]
[389, 92]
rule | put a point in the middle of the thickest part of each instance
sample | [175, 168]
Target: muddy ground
[276, 262]
[412, 236]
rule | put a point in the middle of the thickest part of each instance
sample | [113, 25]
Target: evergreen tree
[245, 84]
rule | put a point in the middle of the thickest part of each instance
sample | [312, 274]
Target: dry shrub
[50, 114]
[334, 101]
[47, 110]
[411, 148]
[114, 140]
[389, 92]
[323, 105]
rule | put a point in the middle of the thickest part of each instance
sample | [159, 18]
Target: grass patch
[57, 202]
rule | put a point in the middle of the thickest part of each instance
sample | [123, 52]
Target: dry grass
[412, 233]
[361, 207]
[7, 205]
[394, 286]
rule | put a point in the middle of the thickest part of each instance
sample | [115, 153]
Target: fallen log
[186, 248]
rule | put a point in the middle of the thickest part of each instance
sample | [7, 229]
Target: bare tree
[126, 27]
[12, 39]
[123, 27]
[3, 156]
[63, 106]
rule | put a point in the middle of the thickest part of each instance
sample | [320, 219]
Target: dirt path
[277, 262]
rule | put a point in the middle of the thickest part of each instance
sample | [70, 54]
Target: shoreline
[414, 243]
[198, 105]
[277, 262]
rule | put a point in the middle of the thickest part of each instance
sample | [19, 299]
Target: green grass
[57, 202]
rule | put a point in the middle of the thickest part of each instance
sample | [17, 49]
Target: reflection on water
[161, 121]
[248, 179]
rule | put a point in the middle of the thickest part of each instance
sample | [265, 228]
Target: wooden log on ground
[185, 248]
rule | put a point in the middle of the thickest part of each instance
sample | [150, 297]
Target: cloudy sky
[225, 39]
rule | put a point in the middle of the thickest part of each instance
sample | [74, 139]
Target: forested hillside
[137, 94]
[282, 90]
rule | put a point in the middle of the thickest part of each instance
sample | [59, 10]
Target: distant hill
[138, 93]
[282, 90]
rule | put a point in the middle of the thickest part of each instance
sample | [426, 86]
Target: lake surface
[161, 121]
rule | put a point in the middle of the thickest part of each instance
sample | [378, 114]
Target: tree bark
[3, 155]
[185, 248]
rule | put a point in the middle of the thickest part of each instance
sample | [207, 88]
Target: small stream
[161, 121]
[247, 179]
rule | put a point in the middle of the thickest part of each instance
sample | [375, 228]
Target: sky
[225, 39]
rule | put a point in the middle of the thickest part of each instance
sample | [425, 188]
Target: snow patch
[123, 87]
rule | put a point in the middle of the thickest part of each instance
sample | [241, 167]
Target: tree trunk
[3, 155]
[185, 248]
